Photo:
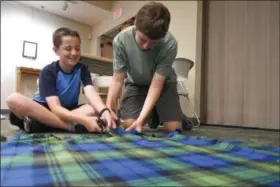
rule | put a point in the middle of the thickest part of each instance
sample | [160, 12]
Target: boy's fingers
[98, 129]
[114, 116]
[139, 129]
[111, 122]
[114, 124]
[131, 127]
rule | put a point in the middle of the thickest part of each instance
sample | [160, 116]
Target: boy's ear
[55, 50]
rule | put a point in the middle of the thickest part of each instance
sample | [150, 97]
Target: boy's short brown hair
[63, 31]
[153, 20]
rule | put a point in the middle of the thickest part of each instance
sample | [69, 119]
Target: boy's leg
[85, 109]
[130, 109]
[21, 106]
[131, 104]
[169, 108]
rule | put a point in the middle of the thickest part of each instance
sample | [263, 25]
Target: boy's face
[144, 41]
[69, 50]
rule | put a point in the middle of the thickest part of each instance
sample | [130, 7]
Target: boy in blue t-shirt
[55, 107]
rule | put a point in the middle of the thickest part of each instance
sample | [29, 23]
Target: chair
[182, 66]
[102, 84]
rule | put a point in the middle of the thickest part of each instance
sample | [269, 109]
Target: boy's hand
[114, 115]
[137, 125]
[110, 118]
[91, 124]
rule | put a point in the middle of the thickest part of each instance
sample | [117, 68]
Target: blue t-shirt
[53, 81]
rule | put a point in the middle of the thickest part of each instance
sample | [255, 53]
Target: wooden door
[242, 63]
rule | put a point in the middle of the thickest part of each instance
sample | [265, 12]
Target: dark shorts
[37, 127]
[168, 106]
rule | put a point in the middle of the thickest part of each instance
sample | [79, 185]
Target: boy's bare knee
[90, 110]
[85, 110]
[172, 125]
[17, 103]
[13, 100]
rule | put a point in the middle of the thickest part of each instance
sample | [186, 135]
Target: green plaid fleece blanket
[132, 160]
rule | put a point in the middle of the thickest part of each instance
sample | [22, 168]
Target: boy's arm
[115, 89]
[163, 70]
[120, 68]
[94, 98]
[152, 96]
[150, 101]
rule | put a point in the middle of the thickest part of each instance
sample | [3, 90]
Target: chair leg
[190, 103]
[187, 95]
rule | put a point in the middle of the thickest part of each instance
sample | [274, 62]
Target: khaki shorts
[168, 106]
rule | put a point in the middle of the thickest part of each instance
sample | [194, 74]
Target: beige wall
[20, 23]
[183, 26]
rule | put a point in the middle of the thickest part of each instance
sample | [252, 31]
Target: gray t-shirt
[141, 65]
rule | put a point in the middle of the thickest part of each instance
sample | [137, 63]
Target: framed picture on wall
[29, 50]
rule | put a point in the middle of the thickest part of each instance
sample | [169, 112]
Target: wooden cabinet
[106, 49]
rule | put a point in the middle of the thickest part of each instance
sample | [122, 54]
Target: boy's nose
[74, 52]
[145, 46]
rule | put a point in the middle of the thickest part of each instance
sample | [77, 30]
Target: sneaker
[153, 121]
[3, 138]
[187, 124]
[31, 125]
[14, 120]
[80, 129]
[27, 122]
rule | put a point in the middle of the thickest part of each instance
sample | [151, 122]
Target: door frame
[201, 60]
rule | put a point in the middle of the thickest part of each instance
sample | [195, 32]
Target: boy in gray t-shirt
[143, 57]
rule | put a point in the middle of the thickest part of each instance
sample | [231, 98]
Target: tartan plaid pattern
[133, 160]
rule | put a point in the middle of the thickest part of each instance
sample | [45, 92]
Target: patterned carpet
[132, 160]
[208, 155]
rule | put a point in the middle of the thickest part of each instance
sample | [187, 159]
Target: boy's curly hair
[153, 20]
[63, 31]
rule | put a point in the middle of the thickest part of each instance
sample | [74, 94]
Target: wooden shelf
[27, 71]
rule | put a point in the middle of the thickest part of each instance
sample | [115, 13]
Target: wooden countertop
[98, 58]
[30, 70]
